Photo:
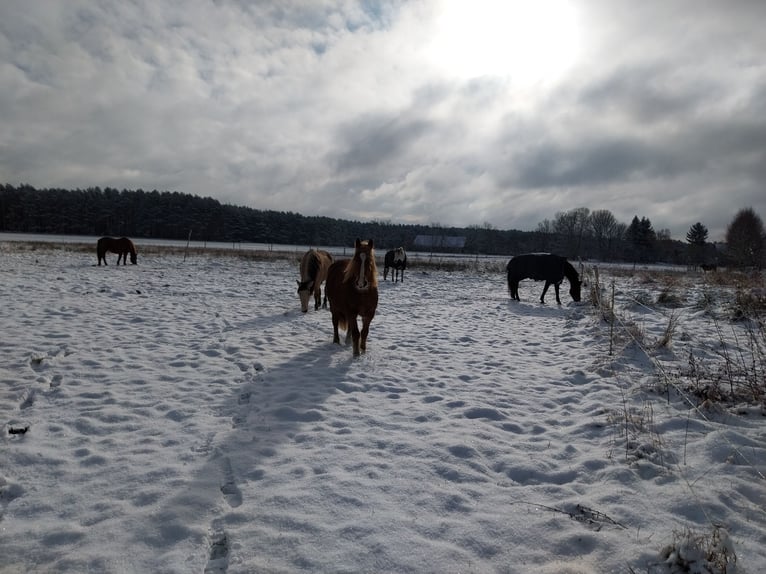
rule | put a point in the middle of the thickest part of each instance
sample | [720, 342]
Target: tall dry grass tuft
[667, 335]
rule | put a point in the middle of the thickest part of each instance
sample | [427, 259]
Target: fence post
[188, 239]
[611, 323]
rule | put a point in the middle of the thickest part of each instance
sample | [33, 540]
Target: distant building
[439, 242]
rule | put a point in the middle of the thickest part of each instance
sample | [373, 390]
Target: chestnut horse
[121, 247]
[352, 289]
[542, 267]
[395, 259]
[314, 266]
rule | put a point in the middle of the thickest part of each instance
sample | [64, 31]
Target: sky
[431, 111]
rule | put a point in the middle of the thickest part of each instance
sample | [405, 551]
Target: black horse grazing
[121, 247]
[395, 259]
[542, 267]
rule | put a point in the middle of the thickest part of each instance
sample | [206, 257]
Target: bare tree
[606, 231]
[572, 226]
[745, 239]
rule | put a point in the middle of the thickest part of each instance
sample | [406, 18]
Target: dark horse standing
[542, 267]
[121, 247]
[352, 289]
[314, 266]
[395, 259]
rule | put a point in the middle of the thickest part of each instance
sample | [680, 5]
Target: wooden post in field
[611, 323]
[188, 239]
[596, 289]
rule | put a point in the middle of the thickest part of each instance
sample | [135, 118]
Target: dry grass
[667, 335]
[711, 553]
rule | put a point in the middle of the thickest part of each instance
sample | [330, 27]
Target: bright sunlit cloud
[527, 42]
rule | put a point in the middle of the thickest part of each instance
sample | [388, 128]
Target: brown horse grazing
[395, 259]
[352, 289]
[314, 266]
[121, 247]
[542, 267]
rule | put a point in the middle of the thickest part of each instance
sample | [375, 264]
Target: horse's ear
[370, 243]
[358, 242]
[298, 282]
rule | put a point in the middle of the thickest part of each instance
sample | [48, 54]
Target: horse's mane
[353, 264]
[313, 266]
[570, 272]
[126, 241]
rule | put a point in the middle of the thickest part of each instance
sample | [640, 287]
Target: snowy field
[183, 416]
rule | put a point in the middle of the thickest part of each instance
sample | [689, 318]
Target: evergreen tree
[697, 234]
[641, 237]
[697, 239]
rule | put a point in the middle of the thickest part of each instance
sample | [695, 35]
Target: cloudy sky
[455, 112]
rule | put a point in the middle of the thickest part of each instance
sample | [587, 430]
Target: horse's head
[399, 255]
[133, 258]
[574, 290]
[304, 292]
[362, 268]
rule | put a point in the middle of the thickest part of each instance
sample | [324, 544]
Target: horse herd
[351, 285]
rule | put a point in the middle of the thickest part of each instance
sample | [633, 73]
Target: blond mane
[352, 267]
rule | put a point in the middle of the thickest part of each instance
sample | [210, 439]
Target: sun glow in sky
[527, 42]
[457, 111]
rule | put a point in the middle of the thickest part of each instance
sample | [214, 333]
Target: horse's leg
[352, 334]
[515, 290]
[335, 337]
[542, 297]
[366, 320]
[350, 327]
[556, 286]
[356, 336]
[317, 297]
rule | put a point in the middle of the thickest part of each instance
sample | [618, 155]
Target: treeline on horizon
[174, 215]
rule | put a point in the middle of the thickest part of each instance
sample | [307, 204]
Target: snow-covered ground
[185, 416]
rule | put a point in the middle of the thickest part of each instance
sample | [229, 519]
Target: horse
[314, 266]
[121, 247]
[542, 267]
[352, 289]
[395, 259]
[708, 267]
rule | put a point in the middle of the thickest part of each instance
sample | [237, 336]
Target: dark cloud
[372, 142]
